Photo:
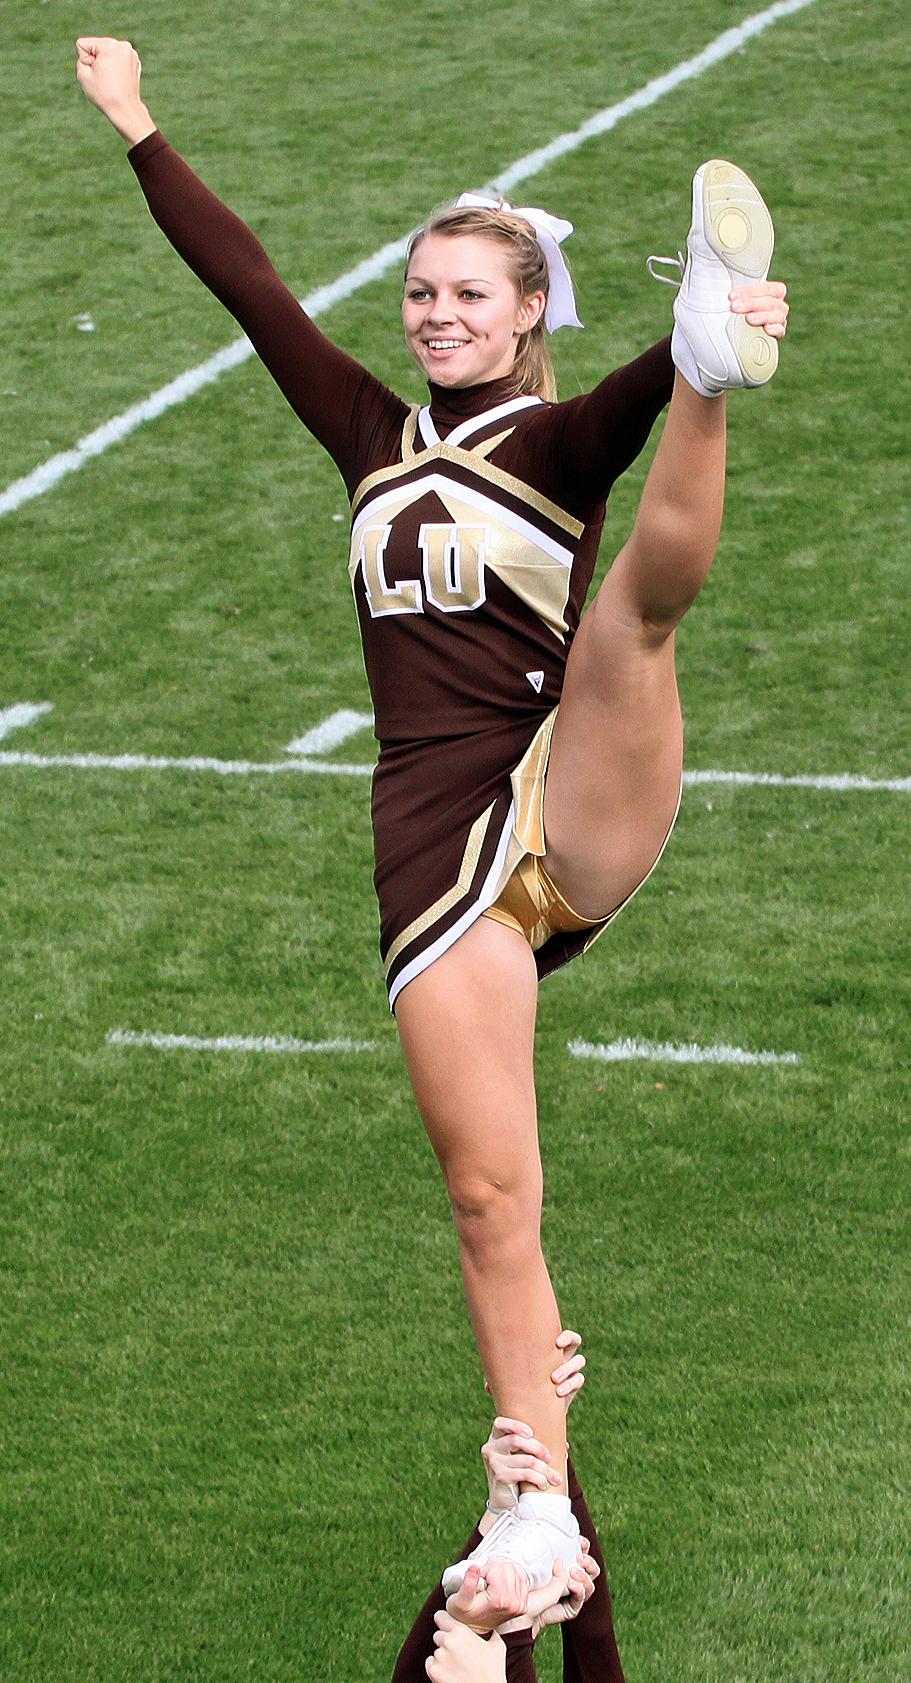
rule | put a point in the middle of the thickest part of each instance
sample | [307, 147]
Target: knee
[496, 1213]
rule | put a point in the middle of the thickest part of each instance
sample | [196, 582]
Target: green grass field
[236, 1367]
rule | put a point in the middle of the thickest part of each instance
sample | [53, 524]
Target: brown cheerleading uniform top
[475, 528]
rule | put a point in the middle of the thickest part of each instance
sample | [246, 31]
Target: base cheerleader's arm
[336, 398]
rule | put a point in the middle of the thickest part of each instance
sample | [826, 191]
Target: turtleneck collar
[451, 404]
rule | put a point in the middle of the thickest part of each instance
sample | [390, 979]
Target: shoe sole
[738, 228]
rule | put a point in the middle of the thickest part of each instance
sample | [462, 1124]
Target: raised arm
[351, 413]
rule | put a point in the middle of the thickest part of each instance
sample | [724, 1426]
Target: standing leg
[467, 1028]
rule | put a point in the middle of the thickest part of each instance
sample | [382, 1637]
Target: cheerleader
[530, 753]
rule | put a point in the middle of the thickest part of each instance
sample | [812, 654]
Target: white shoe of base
[531, 1535]
[729, 244]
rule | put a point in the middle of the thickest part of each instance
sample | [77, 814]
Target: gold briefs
[529, 900]
[532, 904]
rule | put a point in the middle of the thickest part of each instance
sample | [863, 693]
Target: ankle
[552, 1506]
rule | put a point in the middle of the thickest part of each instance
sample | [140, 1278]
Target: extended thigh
[467, 1027]
[613, 780]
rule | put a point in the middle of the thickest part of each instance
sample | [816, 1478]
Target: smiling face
[462, 313]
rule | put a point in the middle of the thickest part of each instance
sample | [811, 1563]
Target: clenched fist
[108, 72]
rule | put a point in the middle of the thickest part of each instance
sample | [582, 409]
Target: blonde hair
[532, 373]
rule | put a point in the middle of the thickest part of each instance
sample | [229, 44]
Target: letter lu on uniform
[452, 570]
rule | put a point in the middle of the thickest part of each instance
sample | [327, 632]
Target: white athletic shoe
[729, 244]
[531, 1535]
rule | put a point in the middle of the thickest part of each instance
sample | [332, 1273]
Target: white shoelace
[678, 262]
[504, 1523]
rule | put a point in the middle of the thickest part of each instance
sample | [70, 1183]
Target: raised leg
[614, 776]
[467, 1028]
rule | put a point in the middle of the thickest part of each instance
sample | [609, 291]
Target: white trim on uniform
[474, 423]
[498, 413]
[408, 494]
[427, 429]
[485, 898]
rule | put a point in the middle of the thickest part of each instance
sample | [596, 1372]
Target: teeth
[445, 344]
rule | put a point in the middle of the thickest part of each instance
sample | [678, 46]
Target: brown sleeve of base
[589, 1643]
[418, 1645]
[520, 1657]
[354, 416]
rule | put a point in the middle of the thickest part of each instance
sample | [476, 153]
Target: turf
[236, 1362]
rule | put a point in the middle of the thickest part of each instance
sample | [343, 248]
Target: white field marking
[837, 782]
[775, 780]
[622, 1051]
[234, 1043]
[163, 762]
[372, 268]
[731, 41]
[22, 714]
[331, 733]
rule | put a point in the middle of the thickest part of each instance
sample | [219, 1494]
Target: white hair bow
[550, 231]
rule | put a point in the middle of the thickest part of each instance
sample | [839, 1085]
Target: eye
[470, 295]
[418, 292]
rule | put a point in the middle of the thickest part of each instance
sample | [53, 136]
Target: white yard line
[234, 1043]
[622, 1051]
[331, 733]
[95, 443]
[163, 762]
[619, 1051]
[836, 782]
[22, 714]
[777, 780]
[339, 727]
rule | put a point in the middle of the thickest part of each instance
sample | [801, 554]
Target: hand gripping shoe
[730, 244]
[531, 1535]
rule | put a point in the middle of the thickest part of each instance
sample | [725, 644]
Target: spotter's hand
[568, 1605]
[514, 1456]
[460, 1656]
[512, 1453]
[563, 1598]
[490, 1596]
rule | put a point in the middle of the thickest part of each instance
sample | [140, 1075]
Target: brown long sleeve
[589, 1644]
[356, 417]
[585, 443]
